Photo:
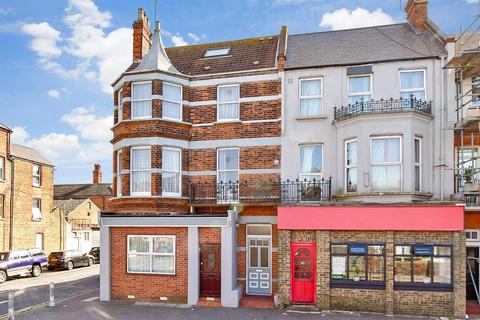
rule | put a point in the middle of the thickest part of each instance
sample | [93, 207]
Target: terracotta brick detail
[209, 235]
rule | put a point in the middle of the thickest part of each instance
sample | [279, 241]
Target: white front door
[259, 260]
[39, 240]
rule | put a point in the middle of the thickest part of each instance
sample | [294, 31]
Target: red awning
[394, 218]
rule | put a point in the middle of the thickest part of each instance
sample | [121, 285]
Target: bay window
[386, 163]
[171, 172]
[228, 165]
[412, 82]
[228, 107]
[357, 264]
[120, 106]
[418, 164]
[37, 209]
[141, 100]
[37, 175]
[119, 173]
[311, 93]
[351, 165]
[420, 265]
[172, 101]
[151, 254]
[140, 170]
[311, 162]
[359, 89]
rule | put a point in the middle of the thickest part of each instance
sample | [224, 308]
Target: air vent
[256, 62]
[206, 68]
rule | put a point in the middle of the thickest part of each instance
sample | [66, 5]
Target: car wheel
[3, 276]
[69, 265]
[36, 270]
[90, 262]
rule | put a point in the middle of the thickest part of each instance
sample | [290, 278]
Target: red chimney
[97, 173]
[142, 36]
[417, 13]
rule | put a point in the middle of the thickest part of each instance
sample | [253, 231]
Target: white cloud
[473, 1]
[90, 126]
[45, 39]
[19, 135]
[178, 41]
[194, 37]
[358, 18]
[54, 93]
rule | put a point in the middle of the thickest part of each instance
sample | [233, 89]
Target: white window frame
[140, 194]
[373, 164]
[2, 168]
[39, 208]
[417, 164]
[300, 174]
[347, 166]
[228, 170]
[470, 239]
[300, 97]
[179, 193]
[120, 106]
[140, 100]
[216, 52]
[151, 253]
[360, 93]
[36, 176]
[172, 101]
[227, 103]
[424, 89]
[119, 173]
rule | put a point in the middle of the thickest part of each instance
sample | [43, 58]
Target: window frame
[2, 206]
[35, 175]
[347, 166]
[383, 164]
[206, 55]
[300, 174]
[363, 283]
[417, 164]
[120, 105]
[151, 254]
[418, 286]
[140, 194]
[413, 89]
[219, 104]
[228, 170]
[179, 193]
[370, 75]
[300, 97]
[179, 103]
[119, 172]
[2, 168]
[141, 100]
[34, 199]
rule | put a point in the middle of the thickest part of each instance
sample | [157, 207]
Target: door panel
[302, 272]
[210, 270]
[259, 280]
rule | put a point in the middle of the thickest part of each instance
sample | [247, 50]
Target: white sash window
[412, 82]
[119, 173]
[228, 103]
[141, 100]
[120, 106]
[351, 165]
[311, 162]
[228, 165]
[151, 254]
[171, 171]
[140, 169]
[37, 209]
[172, 101]
[311, 93]
[359, 89]
[386, 163]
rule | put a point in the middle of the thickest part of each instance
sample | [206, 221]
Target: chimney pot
[142, 36]
[97, 173]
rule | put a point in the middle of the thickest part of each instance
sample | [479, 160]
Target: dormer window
[216, 52]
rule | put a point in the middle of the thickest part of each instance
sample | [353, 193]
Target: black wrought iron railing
[379, 106]
[472, 199]
[262, 191]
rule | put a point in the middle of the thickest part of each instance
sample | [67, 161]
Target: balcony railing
[82, 224]
[472, 199]
[262, 191]
[383, 106]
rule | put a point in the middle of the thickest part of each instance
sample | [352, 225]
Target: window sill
[35, 186]
[35, 220]
[311, 118]
[422, 287]
[227, 121]
[357, 285]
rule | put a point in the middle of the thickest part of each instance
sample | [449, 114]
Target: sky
[58, 57]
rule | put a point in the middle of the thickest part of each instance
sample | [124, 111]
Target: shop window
[357, 264]
[151, 254]
[426, 267]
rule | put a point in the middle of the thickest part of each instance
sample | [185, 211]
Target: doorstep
[210, 302]
[303, 308]
[257, 302]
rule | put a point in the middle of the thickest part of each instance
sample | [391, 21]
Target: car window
[23, 254]
[37, 252]
[4, 256]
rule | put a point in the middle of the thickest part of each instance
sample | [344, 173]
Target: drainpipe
[443, 117]
[12, 195]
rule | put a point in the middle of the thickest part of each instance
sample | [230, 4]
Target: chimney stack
[142, 36]
[417, 14]
[97, 173]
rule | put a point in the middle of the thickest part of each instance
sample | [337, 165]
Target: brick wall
[5, 189]
[146, 287]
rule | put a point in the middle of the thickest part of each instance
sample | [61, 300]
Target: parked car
[95, 253]
[20, 262]
[69, 259]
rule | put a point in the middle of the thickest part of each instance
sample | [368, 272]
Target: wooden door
[210, 270]
[302, 272]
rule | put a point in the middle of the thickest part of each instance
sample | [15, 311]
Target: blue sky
[59, 56]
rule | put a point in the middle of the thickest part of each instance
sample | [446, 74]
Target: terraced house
[311, 171]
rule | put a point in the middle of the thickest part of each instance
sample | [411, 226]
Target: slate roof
[360, 46]
[81, 191]
[27, 153]
[67, 205]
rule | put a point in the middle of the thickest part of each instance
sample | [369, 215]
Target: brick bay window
[311, 94]
[386, 163]
[140, 171]
[311, 162]
[171, 172]
[228, 105]
[151, 254]
[418, 164]
[412, 82]
[359, 89]
[37, 175]
[357, 264]
[351, 165]
[423, 267]
[172, 101]
[141, 100]
[2, 168]
[36, 209]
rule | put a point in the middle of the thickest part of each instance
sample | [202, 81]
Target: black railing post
[330, 188]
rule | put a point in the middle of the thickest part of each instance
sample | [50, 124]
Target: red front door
[302, 272]
[210, 270]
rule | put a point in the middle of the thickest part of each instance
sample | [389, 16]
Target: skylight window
[216, 52]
